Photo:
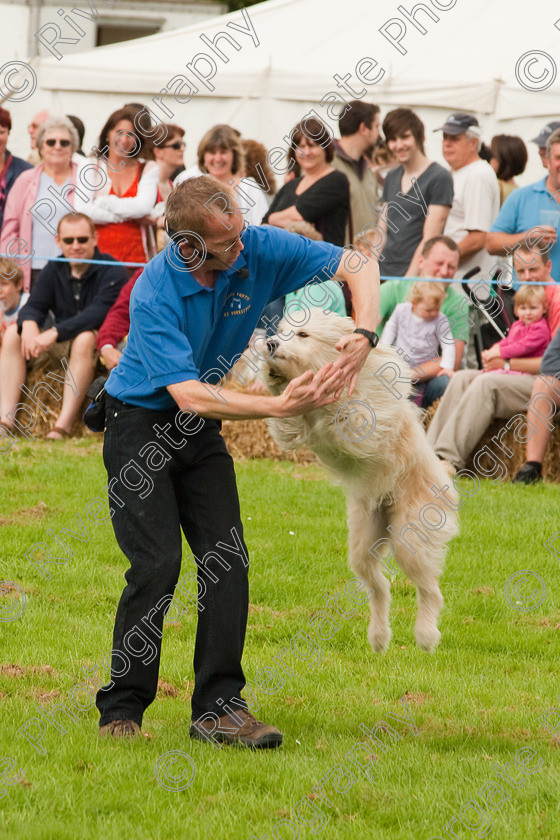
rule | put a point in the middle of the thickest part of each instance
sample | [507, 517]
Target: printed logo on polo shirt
[236, 303]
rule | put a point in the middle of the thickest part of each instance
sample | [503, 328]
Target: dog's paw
[427, 638]
[379, 638]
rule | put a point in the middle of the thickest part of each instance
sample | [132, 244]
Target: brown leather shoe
[242, 729]
[120, 729]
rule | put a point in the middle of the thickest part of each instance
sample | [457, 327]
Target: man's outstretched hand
[354, 350]
[308, 391]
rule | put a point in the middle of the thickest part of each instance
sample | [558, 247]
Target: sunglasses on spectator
[68, 240]
[52, 142]
[177, 146]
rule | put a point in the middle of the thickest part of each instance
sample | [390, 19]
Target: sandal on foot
[56, 433]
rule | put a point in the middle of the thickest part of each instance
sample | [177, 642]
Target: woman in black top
[321, 195]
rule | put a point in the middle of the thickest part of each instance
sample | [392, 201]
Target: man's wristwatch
[372, 337]
[507, 365]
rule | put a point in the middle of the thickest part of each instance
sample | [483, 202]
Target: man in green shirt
[439, 261]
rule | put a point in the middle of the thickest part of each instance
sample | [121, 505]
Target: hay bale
[244, 438]
[551, 463]
[251, 439]
[46, 419]
[512, 463]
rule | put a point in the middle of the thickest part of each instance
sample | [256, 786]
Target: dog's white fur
[387, 476]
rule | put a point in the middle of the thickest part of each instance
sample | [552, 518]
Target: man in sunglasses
[79, 294]
[193, 311]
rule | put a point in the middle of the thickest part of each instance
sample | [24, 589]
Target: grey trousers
[470, 402]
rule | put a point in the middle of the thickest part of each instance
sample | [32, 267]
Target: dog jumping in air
[374, 445]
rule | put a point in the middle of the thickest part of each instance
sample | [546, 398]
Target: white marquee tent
[481, 56]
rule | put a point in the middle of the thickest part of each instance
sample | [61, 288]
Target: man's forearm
[220, 403]
[471, 244]
[364, 288]
[527, 365]
[285, 217]
[495, 243]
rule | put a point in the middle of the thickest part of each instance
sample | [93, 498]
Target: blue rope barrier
[14, 258]
[472, 280]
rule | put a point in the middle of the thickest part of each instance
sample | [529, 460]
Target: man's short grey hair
[474, 132]
[59, 122]
[554, 138]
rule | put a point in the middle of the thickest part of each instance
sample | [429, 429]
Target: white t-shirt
[11, 317]
[251, 200]
[191, 172]
[476, 203]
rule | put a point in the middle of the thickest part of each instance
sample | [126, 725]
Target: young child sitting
[12, 296]
[418, 328]
[528, 336]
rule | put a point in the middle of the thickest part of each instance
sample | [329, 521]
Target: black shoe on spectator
[529, 473]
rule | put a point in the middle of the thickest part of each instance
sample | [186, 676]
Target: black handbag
[94, 416]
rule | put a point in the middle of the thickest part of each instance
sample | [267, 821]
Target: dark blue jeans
[163, 479]
[434, 390]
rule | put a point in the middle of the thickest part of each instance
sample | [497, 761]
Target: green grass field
[476, 702]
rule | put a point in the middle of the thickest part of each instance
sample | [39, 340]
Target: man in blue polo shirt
[532, 214]
[193, 310]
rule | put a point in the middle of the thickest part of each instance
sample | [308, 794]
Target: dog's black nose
[272, 344]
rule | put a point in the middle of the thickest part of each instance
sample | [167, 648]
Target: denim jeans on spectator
[195, 490]
[434, 389]
[426, 393]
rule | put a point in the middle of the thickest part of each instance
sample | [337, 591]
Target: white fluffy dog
[374, 444]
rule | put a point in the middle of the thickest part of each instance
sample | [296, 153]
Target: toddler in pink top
[528, 336]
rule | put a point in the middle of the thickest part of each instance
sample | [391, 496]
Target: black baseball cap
[459, 123]
[545, 134]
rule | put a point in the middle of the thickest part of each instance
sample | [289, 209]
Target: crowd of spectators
[76, 230]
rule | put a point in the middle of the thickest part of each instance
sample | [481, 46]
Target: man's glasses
[177, 146]
[52, 142]
[234, 243]
[68, 240]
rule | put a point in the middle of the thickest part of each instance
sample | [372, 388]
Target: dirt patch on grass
[45, 697]
[25, 514]
[8, 587]
[415, 697]
[483, 590]
[167, 689]
[15, 670]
